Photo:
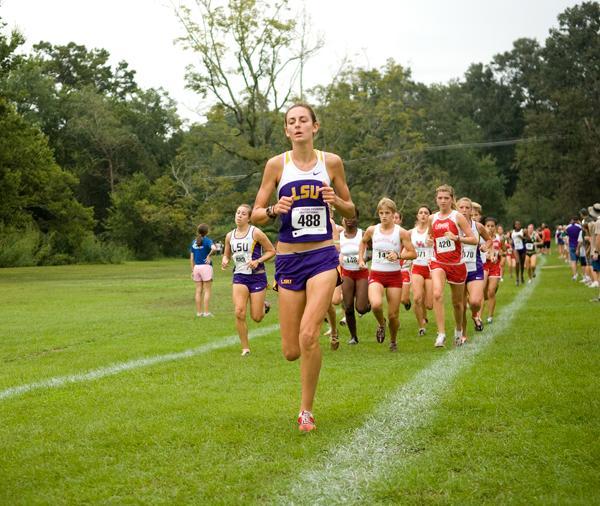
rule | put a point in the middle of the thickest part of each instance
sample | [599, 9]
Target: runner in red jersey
[493, 266]
[447, 263]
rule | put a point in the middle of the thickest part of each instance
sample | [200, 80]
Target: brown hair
[313, 115]
[246, 206]
[202, 230]
[476, 206]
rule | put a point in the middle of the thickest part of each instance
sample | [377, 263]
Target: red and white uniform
[447, 254]
[420, 265]
[383, 271]
[492, 265]
[349, 256]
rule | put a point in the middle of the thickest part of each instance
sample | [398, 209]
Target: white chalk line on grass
[110, 370]
[388, 434]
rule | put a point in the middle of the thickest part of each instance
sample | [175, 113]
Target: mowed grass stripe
[118, 368]
[347, 471]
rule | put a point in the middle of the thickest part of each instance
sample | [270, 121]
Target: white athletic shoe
[490, 319]
[422, 331]
[343, 322]
[245, 352]
[574, 278]
[208, 315]
[328, 333]
[594, 284]
[439, 342]
[199, 315]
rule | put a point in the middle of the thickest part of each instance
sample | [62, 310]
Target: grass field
[514, 417]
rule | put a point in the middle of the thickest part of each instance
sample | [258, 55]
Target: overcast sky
[437, 39]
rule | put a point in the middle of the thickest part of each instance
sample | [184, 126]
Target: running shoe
[408, 305]
[354, 340]
[245, 352]
[490, 320]
[208, 315]
[334, 342]
[460, 340]
[306, 422]
[380, 334]
[393, 346]
[343, 322]
[574, 278]
[594, 284]
[267, 306]
[422, 331]
[199, 315]
[529, 281]
[478, 324]
[439, 342]
[328, 333]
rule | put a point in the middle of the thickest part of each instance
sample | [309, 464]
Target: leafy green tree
[251, 53]
[35, 191]
[564, 169]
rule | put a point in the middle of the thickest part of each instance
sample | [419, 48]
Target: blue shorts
[476, 275]
[596, 265]
[254, 282]
[293, 270]
[573, 254]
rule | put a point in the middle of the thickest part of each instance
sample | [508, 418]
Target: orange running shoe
[306, 422]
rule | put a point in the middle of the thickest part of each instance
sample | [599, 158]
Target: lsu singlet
[470, 252]
[308, 219]
[243, 250]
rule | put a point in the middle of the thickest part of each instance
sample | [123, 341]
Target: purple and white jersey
[243, 250]
[308, 219]
[470, 252]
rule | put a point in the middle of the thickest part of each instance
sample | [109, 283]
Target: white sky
[437, 39]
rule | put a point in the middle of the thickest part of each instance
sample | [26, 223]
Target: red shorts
[455, 273]
[387, 279]
[405, 277]
[493, 270]
[421, 270]
[360, 274]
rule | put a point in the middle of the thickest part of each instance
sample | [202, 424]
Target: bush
[18, 248]
[94, 251]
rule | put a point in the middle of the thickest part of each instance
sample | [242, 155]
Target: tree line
[94, 168]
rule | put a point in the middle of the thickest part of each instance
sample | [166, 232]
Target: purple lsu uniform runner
[307, 221]
[243, 250]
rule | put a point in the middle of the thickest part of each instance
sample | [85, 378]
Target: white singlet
[469, 251]
[424, 252]
[242, 250]
[349, 250]
[382, 245]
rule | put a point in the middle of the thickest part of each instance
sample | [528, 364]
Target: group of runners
[578, 244]
[319, 264]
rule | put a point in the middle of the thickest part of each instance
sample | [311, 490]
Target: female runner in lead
[421, 276]
[249, 248]
[305, 181]
[446, 263]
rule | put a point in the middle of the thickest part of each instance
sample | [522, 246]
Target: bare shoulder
[333, 161]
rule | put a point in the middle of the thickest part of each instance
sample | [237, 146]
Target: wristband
[270, 213]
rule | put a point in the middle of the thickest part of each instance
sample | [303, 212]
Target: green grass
[519, 426]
